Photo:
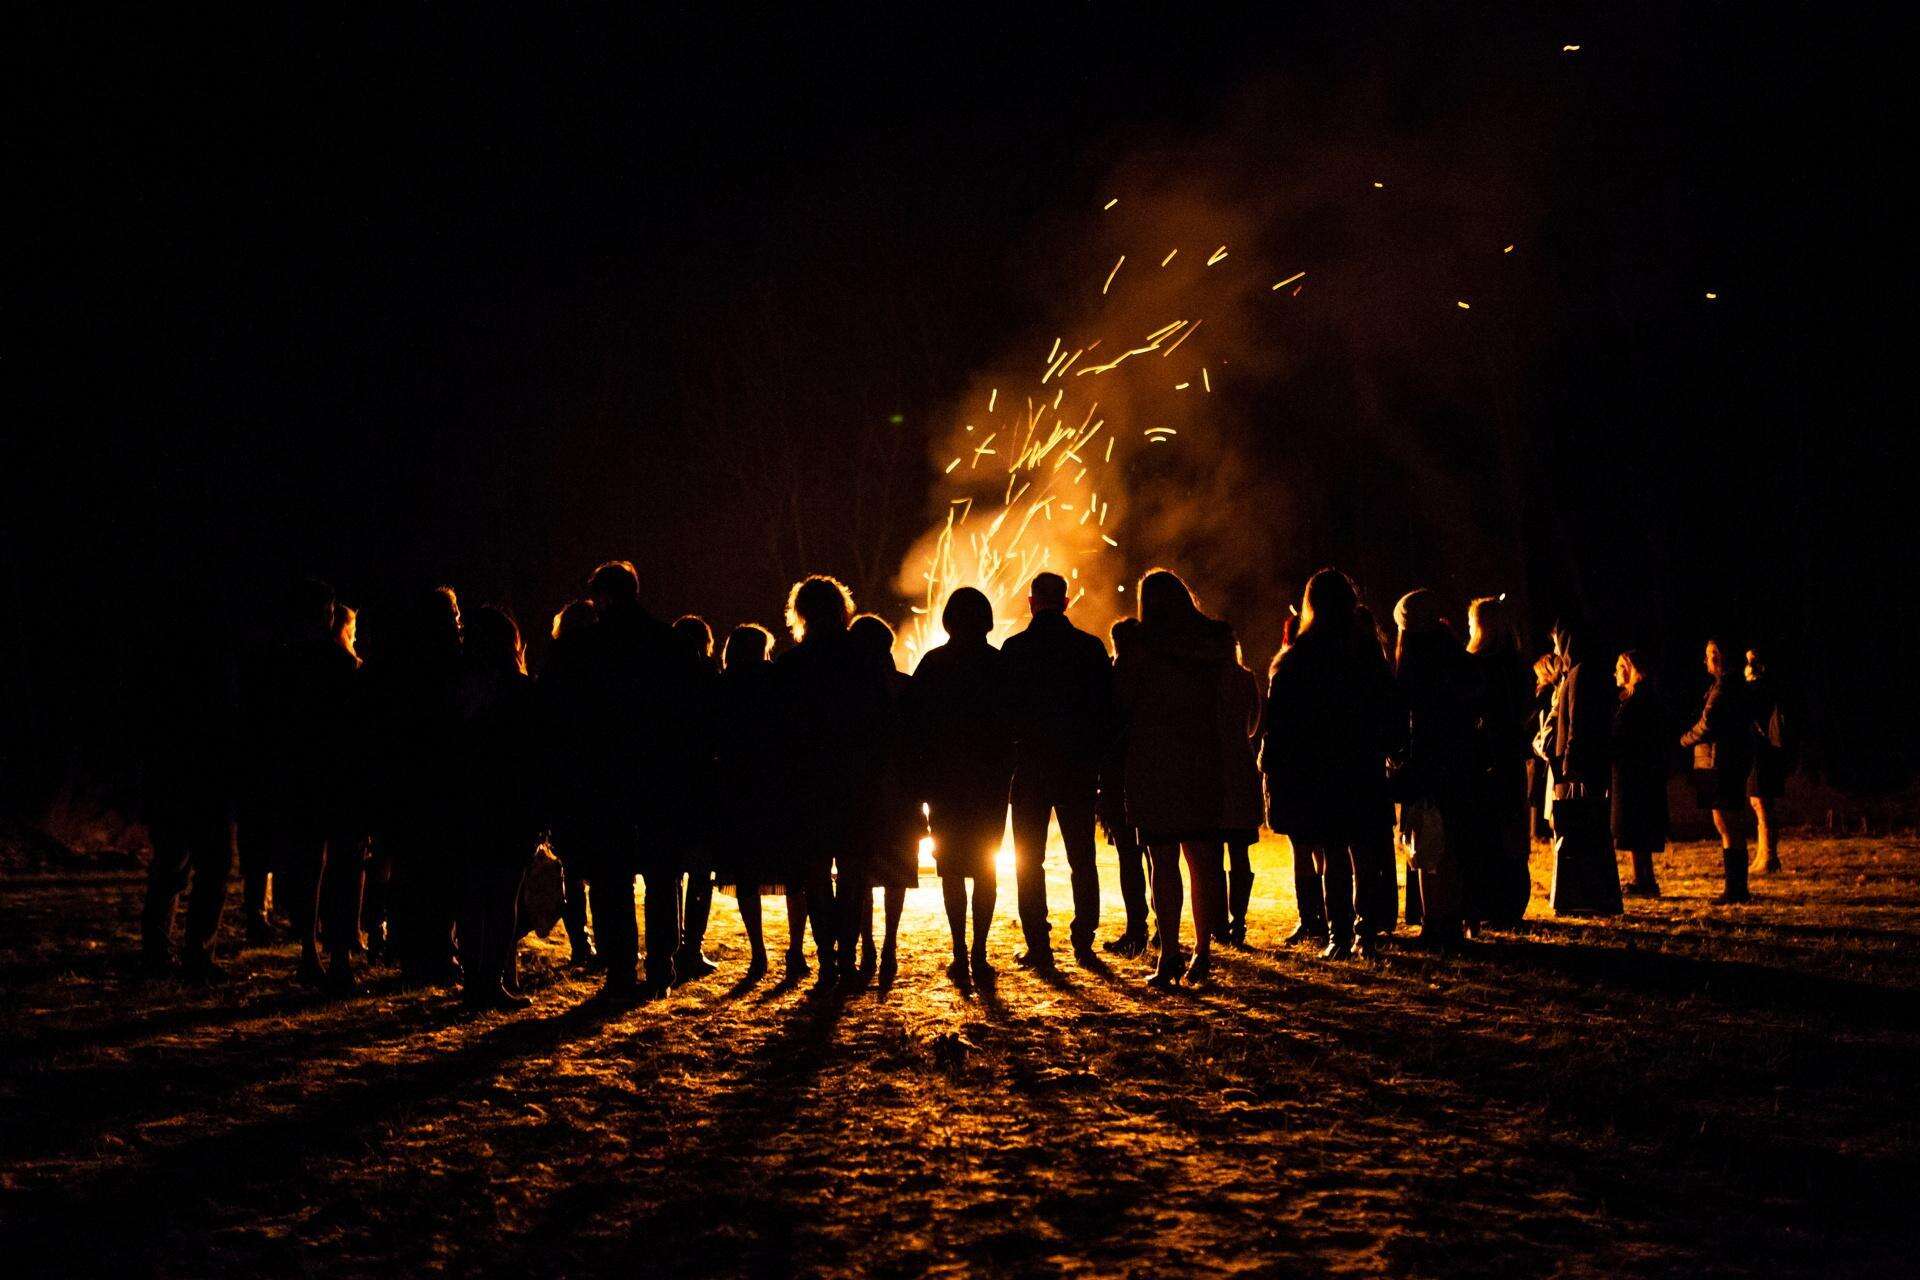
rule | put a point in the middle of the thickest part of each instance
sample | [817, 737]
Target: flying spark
[1289, 280]
[1111, 274]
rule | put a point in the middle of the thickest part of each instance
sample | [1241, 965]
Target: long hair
[577, 616]
[818, 602]
[1165, 600]
[1490, 627]
[1328, 601]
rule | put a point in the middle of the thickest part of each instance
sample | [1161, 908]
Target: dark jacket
[1772, 739]
[1332, 717]
[833, 725]
[1640, 745]
[640, 739]
[1169, 689]
[499, 773]
[1721, 739]
[1060, 690]
[1435, 765]
[960, 731]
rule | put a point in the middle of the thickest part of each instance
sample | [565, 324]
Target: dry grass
[1687, 1090]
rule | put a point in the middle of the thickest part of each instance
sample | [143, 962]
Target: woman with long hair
[1722, 756]
[499, 805]
[1433, 770]
[1772, 760]
[964, 739]
[1170, 688]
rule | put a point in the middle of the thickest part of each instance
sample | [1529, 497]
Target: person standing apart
[1721, 741]
[1586, 878]
[1060, 685]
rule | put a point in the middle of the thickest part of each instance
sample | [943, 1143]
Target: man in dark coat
[639, 749]
[1060, 690]
[1586, 879]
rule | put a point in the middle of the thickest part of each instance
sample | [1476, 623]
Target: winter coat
[1332, 716]
[961, 738]
[1640, 745]
[1059, 689]
[1169, 688]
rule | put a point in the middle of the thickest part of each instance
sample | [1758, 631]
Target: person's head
[309, 608]
[1756, 665]
[1048, 594]
[346, 628]
[1418, 612]
[1328, 601]
[818, 605]
[1490, 627]
[576, 617]
[493, 641]
[747, 644]
[1716, 659]
[440, 617]
[1629, 671]
[614, 586]
[871, 632]
[968, 615]
[1546, 670]
[1123, 634]
[693, 632]
[1165, 599]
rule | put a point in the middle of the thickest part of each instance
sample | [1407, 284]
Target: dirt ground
[1685, 1090]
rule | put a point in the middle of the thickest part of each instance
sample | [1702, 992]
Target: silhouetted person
[750, 855]
[414, 683]
[640, 750]
[1060, 686]
[1586, 877]
[1497, 842]
[1310, 906]
[565, 686]
[1432, 778]
[1330, 721]
[1244, 803]
[1132, 855]
[965, 743]
[189, 762]
[692, 962]
[1772, 759]
[499, 803]
[833, 705]
[1375, 854]
[1641, 741]
[893, 862]
[1721, 740]
[1170, 690]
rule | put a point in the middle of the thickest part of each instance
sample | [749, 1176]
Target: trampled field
[1687, 1090]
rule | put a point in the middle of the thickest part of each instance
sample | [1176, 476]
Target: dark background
[484, 298]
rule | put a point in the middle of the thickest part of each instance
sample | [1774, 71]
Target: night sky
[446, 296]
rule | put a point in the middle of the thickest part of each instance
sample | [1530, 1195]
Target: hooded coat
[1170, 688]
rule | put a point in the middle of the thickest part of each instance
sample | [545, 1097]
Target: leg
[340, 886]
[1031, 801]
[1768, 861]
[896, 901]
[1167, 892]
[748, 896]
[1239, 888]
[166, 877]
[212, 858]
[304, 855]
[1733, 855]
[1643, 878]
[1203, 860]
[1309, 896]
[611, 896]
[1337, 891]
[823, 912]
[953, 895]
[986, 890]
[1075, 811]
[661, 912]
[256, 858]
[573, 911]
[796, 930]
[699, 906]
[1133, 893]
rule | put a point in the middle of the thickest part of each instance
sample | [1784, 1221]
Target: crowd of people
[396, 807]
